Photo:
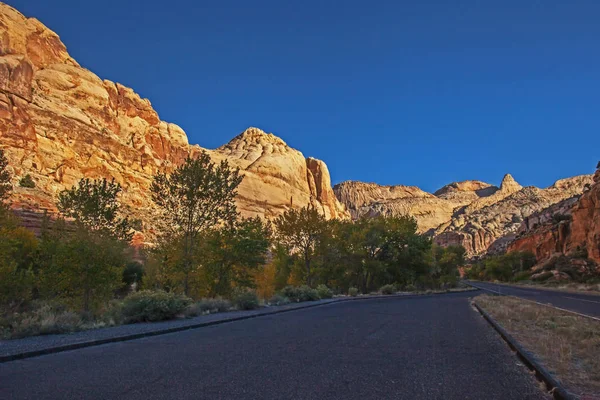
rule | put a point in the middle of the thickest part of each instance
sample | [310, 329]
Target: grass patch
[566, 344]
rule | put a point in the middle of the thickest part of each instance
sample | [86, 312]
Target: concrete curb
[556, 388]
[123, 338]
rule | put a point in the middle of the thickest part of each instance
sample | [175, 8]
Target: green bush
[246, 299]
[324, 292]
[208, 306]
[353, 292]
[522, 276]
[150, 306]
[278, 300]
[300, 293]
[410, 288]
[388, 289]
[27, 182]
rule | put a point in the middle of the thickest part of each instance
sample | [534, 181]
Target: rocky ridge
[474, 214]
[59, 122]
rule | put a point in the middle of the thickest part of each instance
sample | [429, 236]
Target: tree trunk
[185, 281]
[307, 264]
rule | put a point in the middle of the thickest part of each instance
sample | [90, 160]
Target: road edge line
[557, 390]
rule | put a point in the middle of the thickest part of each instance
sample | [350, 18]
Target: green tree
[199, 195]
[301, 230]
[445, 264]
[84, 261]
[232, 253]
[95, 205]
[18, 247]
[81, 267]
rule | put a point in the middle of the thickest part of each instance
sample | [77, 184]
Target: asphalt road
[434, 347]
[581, 303]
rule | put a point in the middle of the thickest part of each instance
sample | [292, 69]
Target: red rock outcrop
[60, 122]
[575, 228]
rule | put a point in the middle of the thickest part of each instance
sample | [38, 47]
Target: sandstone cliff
[570, 228]
[473, 214]
[370, 199]
[60, 122]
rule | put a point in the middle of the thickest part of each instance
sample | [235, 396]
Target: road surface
[580, 303]
[433, 347]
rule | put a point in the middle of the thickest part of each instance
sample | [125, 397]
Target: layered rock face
[59, 122]
[479, 216]
[370, 199]
[570, 228]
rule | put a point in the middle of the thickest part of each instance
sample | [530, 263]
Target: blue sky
[396, 92]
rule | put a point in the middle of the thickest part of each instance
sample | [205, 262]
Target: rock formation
[473, 214]
[570, 228]
[59, 122]
[370, 199]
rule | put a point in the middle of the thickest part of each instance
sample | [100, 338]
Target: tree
[18, 247]
[86, 262]
[445, 263]
[301, 230]
[233, 253]
[197, 196]
[95, 205]
[80, 267]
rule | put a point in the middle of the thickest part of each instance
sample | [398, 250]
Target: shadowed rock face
[60, 122]
[473, 214]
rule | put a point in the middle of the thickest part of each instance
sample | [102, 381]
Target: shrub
[324, 292]
[245, 299]
[113, 314]
[388, 289]
[43, 319]
[353, 291]
[27, 182]
[208, 306]
[150, 305]
[522, 276]
[278, 300]
[410, 288]
[300, 293]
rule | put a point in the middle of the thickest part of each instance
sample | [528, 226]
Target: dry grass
[566, 344]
